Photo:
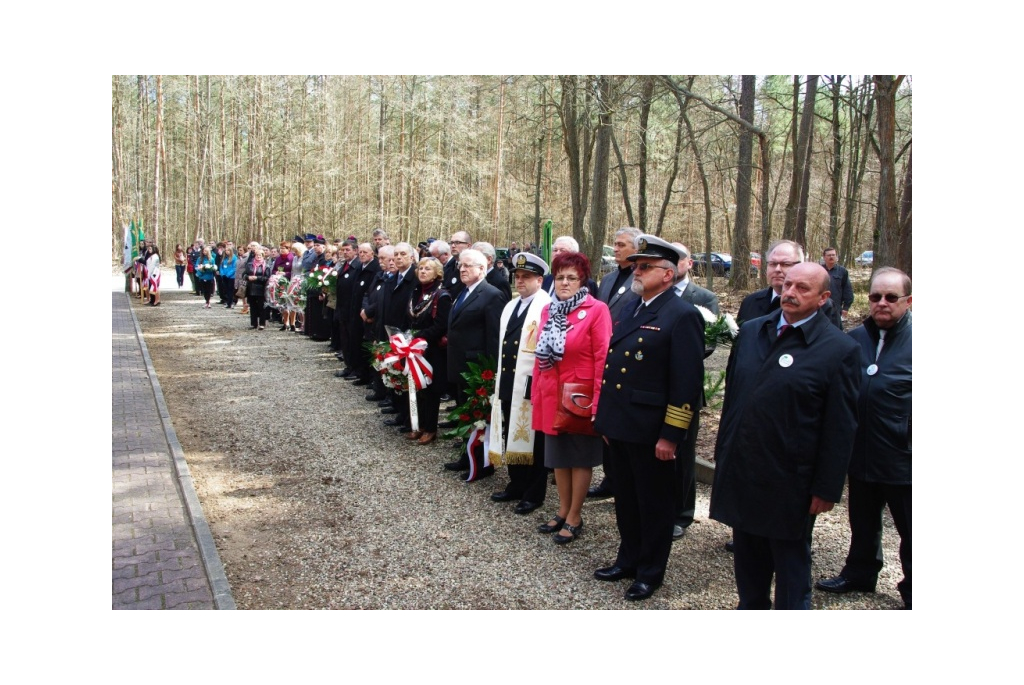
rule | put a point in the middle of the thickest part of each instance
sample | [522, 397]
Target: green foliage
[475, 412]
[714, 388]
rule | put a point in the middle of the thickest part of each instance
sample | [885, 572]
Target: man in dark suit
[395, 309]
[349, 267]
[686, 459]
[880, 470]
[781, 256]
[459, 241]
[496, 273]
[614, 291]
[651, 389]
[841, 288]
[473, 328]
[372, 313]
[368, 271]
[785, 439]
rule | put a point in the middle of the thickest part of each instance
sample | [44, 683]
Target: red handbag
[573, 413]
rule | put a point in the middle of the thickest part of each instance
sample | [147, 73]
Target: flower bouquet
[277, 290]
[319, 279]
[720, 329]
[404, 362]
[474, 415]
[393, 375]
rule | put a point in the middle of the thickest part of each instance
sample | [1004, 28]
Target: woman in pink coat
[573, 344]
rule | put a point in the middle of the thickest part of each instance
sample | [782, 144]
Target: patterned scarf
[551, 346]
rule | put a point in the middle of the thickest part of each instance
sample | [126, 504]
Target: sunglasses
[646, 266]
[889, 297]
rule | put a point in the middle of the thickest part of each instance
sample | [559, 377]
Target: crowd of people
[612, 373]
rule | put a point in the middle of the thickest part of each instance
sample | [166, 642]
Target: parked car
[866, 258]
[755, 263]
[608, 263]
[721, 263]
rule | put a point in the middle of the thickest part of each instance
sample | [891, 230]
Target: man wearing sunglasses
[785, 439]
[881, 464]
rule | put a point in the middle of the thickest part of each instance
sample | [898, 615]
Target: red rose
[477, 414]
[481, 391]
[464, 418]
[487, 374]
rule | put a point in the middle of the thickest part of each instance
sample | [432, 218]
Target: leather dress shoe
[613, 573]
[360, 381]
[405, 428]
[389, 410]
[599, 492]
[640, 591]
[427, 438]
[386, 402]
[485, 472]
[840, 585]
[448, 424]
[375, 397]
[341, 374]
[446, 398]
[525, 507]
[730, 547]
[461, 464]
[413, 435]
[678, 532]
[394, 422]
[503, 496]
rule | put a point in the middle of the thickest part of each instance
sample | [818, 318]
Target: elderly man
[651, 389]
[782, 255]
[785, 438]
[365, 275]
[348, 275]
[841, 288]
[686, 459]
[496, 274]
[513, 440]
[473, 328]
[879, 472]
[614, 291]
[565, 243]
[373, 315]
[458, 242]
[395, 309]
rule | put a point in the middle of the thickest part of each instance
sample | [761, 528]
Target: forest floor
[313, 503]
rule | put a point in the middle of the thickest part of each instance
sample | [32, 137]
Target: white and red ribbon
[418, 369]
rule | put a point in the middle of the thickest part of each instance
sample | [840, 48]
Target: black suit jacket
[498, 277]
[452, 282]
[654, 378]
[788, 425]
[615, 299]
[395, 300]
[473, 328]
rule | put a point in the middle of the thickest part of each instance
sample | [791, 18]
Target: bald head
[805, 289]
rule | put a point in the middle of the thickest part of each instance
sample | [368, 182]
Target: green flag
[135, 239]
[546, 245]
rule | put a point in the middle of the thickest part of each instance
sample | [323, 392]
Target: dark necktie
[460, 300]
[783, 328]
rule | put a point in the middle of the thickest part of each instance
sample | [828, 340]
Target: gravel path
[315, 504]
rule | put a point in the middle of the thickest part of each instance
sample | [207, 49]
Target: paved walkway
[163, 551]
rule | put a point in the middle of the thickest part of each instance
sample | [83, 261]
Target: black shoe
[460, 464]
[448, 424]
[640, 591]
[283, 328]
[394, 422]
[375, 397]
[405, 428]
[730, 547]
[574, 532]
[503, 496]
[446, 398]
[386, 402]
[678, 532]
[840, 585]
[599, 492]
[347, 371]
[485, 472]
[525, 507]
[360, 381]
[552, 527]
[613, 573]
[388, 410]
[339, 374]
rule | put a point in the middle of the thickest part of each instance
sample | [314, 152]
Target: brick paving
[163, 556]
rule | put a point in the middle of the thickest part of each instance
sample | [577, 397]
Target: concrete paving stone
[135, 560]
[186, 600]
[171, 565]
[175, 586]
[186, 555]
[129, 596]
[182, 574]
[162, 542]
[122, 518]
[151, 603]
[125, 572]
[197, 583]
[149, 580]
[122, 549]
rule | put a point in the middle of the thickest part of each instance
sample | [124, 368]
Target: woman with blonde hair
[428, 318]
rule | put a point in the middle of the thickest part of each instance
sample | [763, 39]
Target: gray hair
[791, 243]
[473, 257]
[568, 239]
[487, 249]
[441, 248]
[628, 230]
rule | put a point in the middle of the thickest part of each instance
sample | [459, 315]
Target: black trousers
[205, 288]
[528, 482]
[686, 476]
[864, 560]
[257, 310]
[644, 502]
[757, 559]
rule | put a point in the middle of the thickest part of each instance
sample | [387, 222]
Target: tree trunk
[699, 158]
[741, 233]
[623, 181]
[904, 260]
[157, 156]
[592, 247]
[796, 208]
[645, 113]
[887, 245]
[860, 111]
[496, 213]
[836, 172]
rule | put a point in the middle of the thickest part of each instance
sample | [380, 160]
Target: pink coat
[586, 347]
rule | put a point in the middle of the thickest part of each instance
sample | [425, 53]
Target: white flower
[709, 316]
[734, 330]
[481, 424]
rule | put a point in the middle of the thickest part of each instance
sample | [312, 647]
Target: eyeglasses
[459, 242]
[784, 265]
[646, 266]
[567, 279]
[889, 297]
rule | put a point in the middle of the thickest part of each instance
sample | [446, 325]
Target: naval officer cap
[655, 248]
[525, 261]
